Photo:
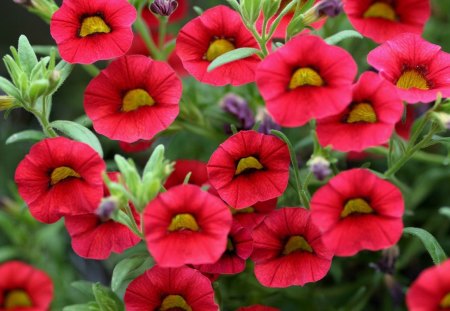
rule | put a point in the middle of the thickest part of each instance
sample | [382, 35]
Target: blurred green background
[351, 284]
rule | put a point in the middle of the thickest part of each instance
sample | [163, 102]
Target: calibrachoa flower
[298, 85]
[217, 31]
[134, 98]
[138, 146]
[239, 248]
[23, 287]
[186, 225]
[288, 249]
[431, 290]
[198, 177]
[252, 216]
[381, 20]
[90, 30]
[257, 308]
[60, 177]
[357, 211]
[96, 235]
[249, 167]
[369, 119]
[167, 289]
[419, 69]
[177, 15]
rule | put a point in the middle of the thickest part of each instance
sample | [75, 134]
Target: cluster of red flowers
[194, 233]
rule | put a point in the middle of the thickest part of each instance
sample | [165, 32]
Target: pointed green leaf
[129, 269]
[342, 35]
[27, 56]
[9, 88]
[431, 244]
[232, 56]
[24, 136]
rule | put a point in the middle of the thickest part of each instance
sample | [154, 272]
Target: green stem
[134, 227]
[43, 121]
[419, 156]
[144, 32]
[91, 70]
[300, 191]
[162, 31]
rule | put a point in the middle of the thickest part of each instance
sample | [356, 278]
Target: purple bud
[320, 167]
[106, 209]
[238, 107]
[164, 7]
[387, 262]
[268, 124]
[329, 8]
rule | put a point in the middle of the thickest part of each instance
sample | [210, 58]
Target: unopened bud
[238, 107]
[267, 123]
[107, 208]
[331, 8]
[320, 167]
[164, 7]
[444, 119]
[6, 102]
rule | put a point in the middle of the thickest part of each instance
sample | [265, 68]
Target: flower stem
[162, 31]
[144, 32]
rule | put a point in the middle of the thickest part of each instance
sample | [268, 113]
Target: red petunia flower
[381, 20]
[357, 211]
[60, 177]
[180, 288]
[96, 235]
[198, 177]
[257, 308]
[288, 249]
[134, 98]
[298, 85]
[419, 69]
[90, 30]
[431, 290]
[239, 248]
[217, 31]
[252, 216]
[138, 146]
[177, 15]
[248, 168]
[369, 119]
[23, 287]
[186, 225]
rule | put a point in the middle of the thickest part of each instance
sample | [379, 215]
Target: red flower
[257, 308]
[288, 249]
[419, 69]
[180, 288]
[96, 235]
[177, 15]
[186, 225]
[252, 216]
[23, 287]
[60, 177]
[382, 20]
[217, 31]
[138, 146]
[134, 98]
[357, 210]
[199, 176]
[249, 167]
[90, 30]
[369, 119]
[239, 248]
[431, 290]
[298, 85]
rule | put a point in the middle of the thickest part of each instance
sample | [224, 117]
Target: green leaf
[250, 10]
[78, 132]
[234, 4]
[106, 299]
[91, 306]
[232, 56]
[9, 88]
[431, 244]
[198, 10]
[24, 136]
[64, 70]
[27, 56]
[129, 269]
[85, 288]
[342, 35]
[445, 211]
[8, 253]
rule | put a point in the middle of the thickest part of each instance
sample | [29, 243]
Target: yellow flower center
[356, 206]
[381, 10]
[183, 222]
[217, 48]
[296, 243]
[362, 112]
[17, 299]
[174, 302]
[92, 25]
[412, 79]
[305, 77]
[135, 99]
[247, 210]
[248, 164]
[62, 173]
[445, 302]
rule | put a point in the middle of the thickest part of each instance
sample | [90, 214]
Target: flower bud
[444, 119]
[164, 7]
[6, 102]
[238, 107]
[267, 123]
[320, 167]
[107, 208]
[322, 9]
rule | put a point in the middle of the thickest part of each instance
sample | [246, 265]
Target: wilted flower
[238, 107]
[164, 7]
